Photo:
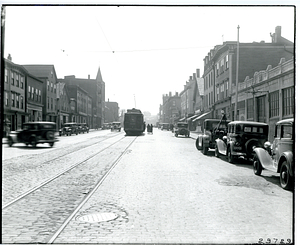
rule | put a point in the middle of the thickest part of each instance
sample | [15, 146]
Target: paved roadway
[165, 191]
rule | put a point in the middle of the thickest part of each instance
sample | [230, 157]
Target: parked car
[182, 129]
[279, 156]
[241, 138]
[106, 126]
[116, 126]
[33, 133]
[165, 126]
[69, 129]
[212, 129]
[84, 128]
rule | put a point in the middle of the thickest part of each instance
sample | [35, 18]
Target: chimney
[170, 94]
[198, 72]
[9, 57]
[277, 34]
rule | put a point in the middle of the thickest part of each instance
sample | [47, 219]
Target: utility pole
[237, 75]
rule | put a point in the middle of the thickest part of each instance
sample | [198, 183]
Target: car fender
[222, 147]
[264, 157]
[289, 157]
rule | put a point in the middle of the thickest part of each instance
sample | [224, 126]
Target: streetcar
[134, 122]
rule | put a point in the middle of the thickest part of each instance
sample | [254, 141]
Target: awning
[181, 119]
[192, 117]
[202, 116]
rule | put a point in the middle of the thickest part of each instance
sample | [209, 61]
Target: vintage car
[82, 128]
[165, 126]
[106, 126]
[69, 129]
[85, 128]
[33, 133]
[116, 126]
[212, 129]
[182, 129]
[279, 156]
[241, 138]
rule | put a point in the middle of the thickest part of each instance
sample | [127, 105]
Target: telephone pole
[237, 75]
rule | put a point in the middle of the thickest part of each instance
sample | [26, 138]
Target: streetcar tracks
[59, 174]
[40, 216]
[87, 197]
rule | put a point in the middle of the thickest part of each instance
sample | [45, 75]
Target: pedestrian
[151, 128]
[148, 128]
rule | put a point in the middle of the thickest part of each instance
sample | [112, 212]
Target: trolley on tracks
[134, 122]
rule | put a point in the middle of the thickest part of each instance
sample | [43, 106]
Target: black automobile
[69, 129]
[116, 126]
[182, 129]
[33, 133]
[241, 139]
[84, 128]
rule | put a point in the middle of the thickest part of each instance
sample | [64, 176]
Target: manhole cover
[97, 217]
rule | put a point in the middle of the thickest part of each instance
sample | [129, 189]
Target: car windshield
[212, 125]
[182, 125]
[251, 129]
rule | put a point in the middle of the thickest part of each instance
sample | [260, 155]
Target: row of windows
[50, 105]
[16, 78]
[34, 94]
[222, 65]
[288, 104]
[51, 86]
[16, 99]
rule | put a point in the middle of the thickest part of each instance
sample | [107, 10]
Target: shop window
[288, 101]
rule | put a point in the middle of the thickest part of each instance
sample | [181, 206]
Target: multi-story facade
[111, 112]
[171, 108]
[81, 104]
[47, 74]
[96, 89]
[14, 96]
[220, 69]
[34, 98]
[273, 93]
[63, 104]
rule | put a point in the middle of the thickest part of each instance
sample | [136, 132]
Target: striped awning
[192, 117]
[202, 116]
[181, 119]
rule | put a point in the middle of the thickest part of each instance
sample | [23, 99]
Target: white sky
[143, 51]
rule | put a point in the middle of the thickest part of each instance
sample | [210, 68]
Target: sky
[143, 52]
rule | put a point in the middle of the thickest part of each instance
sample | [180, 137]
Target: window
[13, 100]
[222, 65]
[54, 88]
[226, 62]
[17, 101]
[218, 91]
[22, 82]
[22, 102]
[12, 79]
[287, 131]
[40, 97]
[48, 103]
[29, 92]
[51, 103]
[217, 69]
[17, 80]
[288, 101]
[51, 87]
[6, 98]
[6, 76]
[250, 113]
[37, 95]
[274, 104]
[48, 85]
[32, 93]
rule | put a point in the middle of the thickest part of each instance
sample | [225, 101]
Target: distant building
[47, 74]
[111, 112]
[96, 89]
[14, 96]
[171, 108]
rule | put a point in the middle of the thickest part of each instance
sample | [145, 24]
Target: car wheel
[286, 180]
[32, 142]
[49, 135]
[10, 142]
[257, 167]
[197, 145]
[176, 135]
[217, 154]
[51, 144]
[230, 156]
[205, 150]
